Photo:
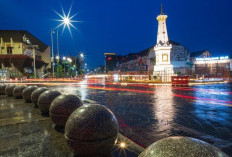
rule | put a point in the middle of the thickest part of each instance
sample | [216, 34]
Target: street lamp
[34, 47]
[82, 60]
[57, 70]
[82, 55]
[52, 32]
[69, 63]
[66, 20]
[64, 61]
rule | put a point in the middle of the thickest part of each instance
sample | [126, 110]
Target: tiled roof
[173, 42]
[197, 53]
[17, 36]
[145, 52]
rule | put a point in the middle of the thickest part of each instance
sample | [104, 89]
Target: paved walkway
[25, 132]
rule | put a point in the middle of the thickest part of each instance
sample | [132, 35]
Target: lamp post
[34, 47]
[52, 32]
[82, 59]
[57, 69]
[66, 20]
[64, 61]
[69, 63]
[52, 52]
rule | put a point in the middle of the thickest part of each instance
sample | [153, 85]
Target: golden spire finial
[162, 9]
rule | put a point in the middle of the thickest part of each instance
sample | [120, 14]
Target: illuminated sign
[108, 54]
[212, 58]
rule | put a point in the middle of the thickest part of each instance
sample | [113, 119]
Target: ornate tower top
[162, 35]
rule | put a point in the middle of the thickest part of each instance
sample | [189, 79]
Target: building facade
[17, 53]
[136, 61]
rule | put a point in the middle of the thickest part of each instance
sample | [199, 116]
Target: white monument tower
[163, 67]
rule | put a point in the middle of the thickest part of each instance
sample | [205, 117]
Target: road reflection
[164, 110]
[148, 113]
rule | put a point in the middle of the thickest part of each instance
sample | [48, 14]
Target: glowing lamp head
[66, 21]
[57, 57]
[122, 145]
[69, 59]
[82, 55]
[64, 58]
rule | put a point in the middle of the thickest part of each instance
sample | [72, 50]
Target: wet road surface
[149, 113]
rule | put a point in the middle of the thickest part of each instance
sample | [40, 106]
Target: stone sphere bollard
[2, 89]
[27, 93]
[9, 89]
[45, 100]
[62, 107]
[18, 92]
[183, 147]
[91, 131]
[36, 93]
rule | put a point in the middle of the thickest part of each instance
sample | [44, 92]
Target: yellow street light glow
[69, 59]
[122, 145]
[57, 57]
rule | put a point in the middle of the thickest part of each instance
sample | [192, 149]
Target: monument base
[164, 72]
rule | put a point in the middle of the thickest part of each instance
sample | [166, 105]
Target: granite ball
[181, 147]
[45, 100]
[2, 89]
[27, 93]
[91, 131]
[36, 93]
[62, 107]
[9, 89]
[18, 91]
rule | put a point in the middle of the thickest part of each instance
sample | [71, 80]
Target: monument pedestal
[163, 72]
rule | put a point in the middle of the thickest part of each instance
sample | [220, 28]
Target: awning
[20, 61]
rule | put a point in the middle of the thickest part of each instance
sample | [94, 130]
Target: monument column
[163, 67]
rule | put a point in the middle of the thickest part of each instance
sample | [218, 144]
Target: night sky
[124, 26]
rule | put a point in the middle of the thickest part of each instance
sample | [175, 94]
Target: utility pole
[34, 62]
[52, 53]
[34, 47]
[58, 54]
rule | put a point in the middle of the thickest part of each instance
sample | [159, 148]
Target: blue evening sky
[124, 26]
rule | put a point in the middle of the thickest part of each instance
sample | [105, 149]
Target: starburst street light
[66, 20]
[82, 55]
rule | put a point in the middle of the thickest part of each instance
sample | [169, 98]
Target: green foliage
[81, 71]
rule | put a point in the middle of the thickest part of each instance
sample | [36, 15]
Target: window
[165, 58]
[39, 57]
[9, 50]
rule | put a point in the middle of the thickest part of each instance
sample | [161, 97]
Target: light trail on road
[207, 100]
